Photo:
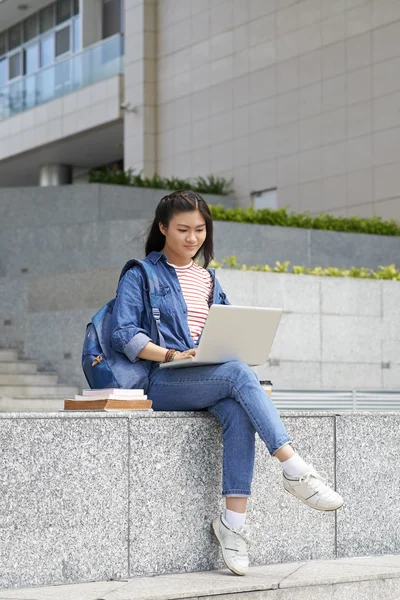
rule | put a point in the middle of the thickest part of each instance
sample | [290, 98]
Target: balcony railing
[93, 64]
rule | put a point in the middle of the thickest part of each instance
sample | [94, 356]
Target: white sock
[294, 466]
[234, 519]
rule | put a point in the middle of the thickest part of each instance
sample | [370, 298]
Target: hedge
[389, 272]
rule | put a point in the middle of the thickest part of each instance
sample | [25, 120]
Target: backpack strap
[153, 285]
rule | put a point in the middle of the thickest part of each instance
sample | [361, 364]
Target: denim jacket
[132, 318]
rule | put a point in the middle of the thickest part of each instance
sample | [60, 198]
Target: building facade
[298, 101]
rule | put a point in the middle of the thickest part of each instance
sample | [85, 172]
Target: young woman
[181, 231]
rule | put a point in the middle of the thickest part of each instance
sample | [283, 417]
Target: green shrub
[282, 218]
[203, 185]
[390, 272]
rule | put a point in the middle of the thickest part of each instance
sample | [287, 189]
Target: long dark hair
[177, 202]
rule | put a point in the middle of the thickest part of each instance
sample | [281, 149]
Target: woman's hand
[187, 354]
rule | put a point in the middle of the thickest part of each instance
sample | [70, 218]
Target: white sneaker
[234, 546]
[313, 490]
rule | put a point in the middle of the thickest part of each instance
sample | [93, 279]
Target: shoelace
[244, 534]
[306, 478]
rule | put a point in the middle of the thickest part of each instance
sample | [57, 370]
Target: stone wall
[110, 495]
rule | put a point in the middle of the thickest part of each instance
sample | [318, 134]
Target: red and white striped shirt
[197, 286]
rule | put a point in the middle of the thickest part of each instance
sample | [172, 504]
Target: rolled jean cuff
[281, 446]
[238, 494]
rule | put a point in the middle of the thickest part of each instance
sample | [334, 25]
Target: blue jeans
[232, 393]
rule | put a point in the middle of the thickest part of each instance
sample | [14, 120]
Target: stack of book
[109, 399]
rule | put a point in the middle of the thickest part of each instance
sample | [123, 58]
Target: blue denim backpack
[97, 351]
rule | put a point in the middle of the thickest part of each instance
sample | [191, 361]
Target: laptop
[242, 333]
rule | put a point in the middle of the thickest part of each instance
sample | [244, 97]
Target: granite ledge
[202, 414]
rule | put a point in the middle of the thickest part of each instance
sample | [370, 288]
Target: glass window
[47, 18]
[47, 50]
[14, 64]
[3, 43]
[63, 10]
[31, 58]
[3, 72]
[76, 34]
[76, 7]
[63, 41]
[30, 28]
[265, 199]
[14, 36]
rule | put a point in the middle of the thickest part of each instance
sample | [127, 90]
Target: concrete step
[44, 379]
[37, 391]
[365, 578]
[31, 404]
[8, 354]
[19, 366]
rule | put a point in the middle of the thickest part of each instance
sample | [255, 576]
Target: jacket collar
[154, 257]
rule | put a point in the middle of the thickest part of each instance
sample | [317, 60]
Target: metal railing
[100, 61]
[337, 400]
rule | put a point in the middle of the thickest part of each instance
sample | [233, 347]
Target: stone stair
[24, 389]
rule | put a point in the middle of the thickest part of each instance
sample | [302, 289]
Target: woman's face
[185, 234]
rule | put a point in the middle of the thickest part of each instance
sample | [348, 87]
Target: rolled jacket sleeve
[128, 333]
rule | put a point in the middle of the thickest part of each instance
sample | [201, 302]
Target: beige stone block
[166, 116]
[288, 138]
[263, 175]
[259, 8]
[310, 100]
[221, 156]
[359, 85]
[310, 165]
[183, 165]
[310, 67]
[287, 75]
[334, 60]
[170, 13]
[200, 79]
[262, 56]
[384, 11]
[221, 127]
[241, 177]
[334, 126]
[263, 84]
[200, 105]
[241, 63]
[198, 7]
[241, 121]
[289, 197]
[335, 192]
[288, 170]
[181, 34]
[386, 111]
[221, 45]
[364, 211]
[360, 187]
[386, 42]
[221, 70]
[241, 91]
[241, 151]
[165, 144]
[263, 115]
[359, 153]
[386, 181]
[309, 38]
[388, 209]
[201, 162]
[359, 51]
[335, 159]
[200, 134]
[200, 54]
[183, 110]
[334, 93]
[310, 135]
[386, 145]
[201, 25]
[333, 29]
[288, 19]
[241, 38]
[359, 119]
[221, 17]
[263, 145]
[288, 109]
[240, 12]
[221, 96]
[287, 46]
[69, 124]
[182, 139]
[330, 8]
[383, 81]
[359, 20]
[261, 30]
[311, 196]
